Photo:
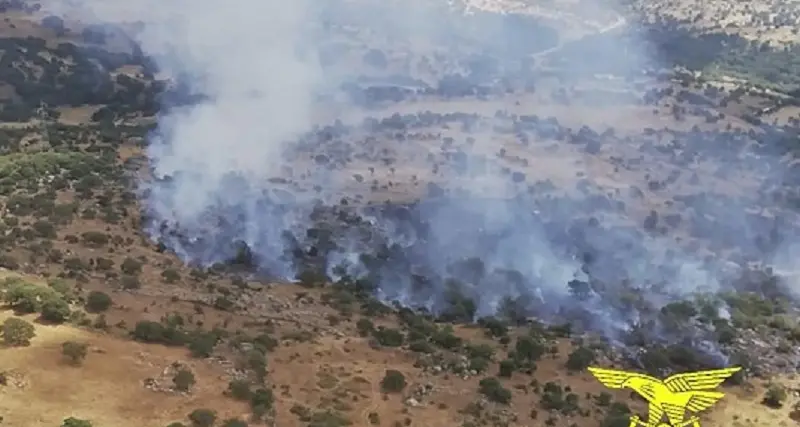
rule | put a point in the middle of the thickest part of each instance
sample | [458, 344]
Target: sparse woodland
[88, 297]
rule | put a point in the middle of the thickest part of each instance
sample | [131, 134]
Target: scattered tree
[234, 422]
[775, 396]
[494, 391]
[131, 267]
[97, 302]
[184, 380]
[203, 418]
[55, 310]
[261, 402]
[388, 337]
[202, 345]
[580, 359]
[528, 348]
[75, 422]
[74, 352]
[17, 332]
[171, 275]
[507, 368]
[239, 390]
[393, 381]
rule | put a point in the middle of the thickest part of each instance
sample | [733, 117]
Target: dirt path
[562, 42]
[511, 6]
[373, 406]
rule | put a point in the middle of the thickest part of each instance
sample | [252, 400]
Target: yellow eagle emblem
[672, 397]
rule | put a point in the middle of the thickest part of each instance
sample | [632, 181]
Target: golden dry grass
[107, 389]
[331, 373]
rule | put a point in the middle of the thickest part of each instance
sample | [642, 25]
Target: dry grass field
[42, 389]
[340, 373]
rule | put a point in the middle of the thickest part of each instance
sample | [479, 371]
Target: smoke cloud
[268, 80]
[253, 86]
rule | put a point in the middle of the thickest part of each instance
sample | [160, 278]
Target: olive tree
[17, 332]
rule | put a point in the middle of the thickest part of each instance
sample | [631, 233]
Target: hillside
[333, 378]
[463, 226]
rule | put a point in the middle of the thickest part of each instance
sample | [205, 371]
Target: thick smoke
[252, 86]
[259, 69]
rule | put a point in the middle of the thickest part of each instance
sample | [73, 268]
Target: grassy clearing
[107, 389]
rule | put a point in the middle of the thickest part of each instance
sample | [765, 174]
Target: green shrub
[494, 391]
[365, 327]
[44, 229]
[75, 422]
[203, 418]
[603, 399]
[74, 352]
[775, 396]
[552, 397]
[421, 346]
[529, 349]
[171, 275]
[618, 415]
[393, 381]
[156, 333]
[17, 332]
[202, 344]
[131, 267]
[183, 380]
[97, 302]
[224, 304]
[55, 310]
[580, 359]
[478, 364]
[507, 368]
[95, 238]
[129, 282]
[239, 390]
[265, 342]
[388, 337]
[494, 326]
[24, 297]
[234, 422]
[261, 402]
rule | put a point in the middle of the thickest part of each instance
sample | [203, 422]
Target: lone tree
[74, 352]
[234, 422]
[55, 310]
[203, 417]
[775, 396]
[580, 359]
[393, 382]
[98, 302]
[183, 380]
[23, 297]
[75, 422]
[17, 332]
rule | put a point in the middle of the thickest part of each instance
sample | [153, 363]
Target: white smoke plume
[255, 65]
[244, 58]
